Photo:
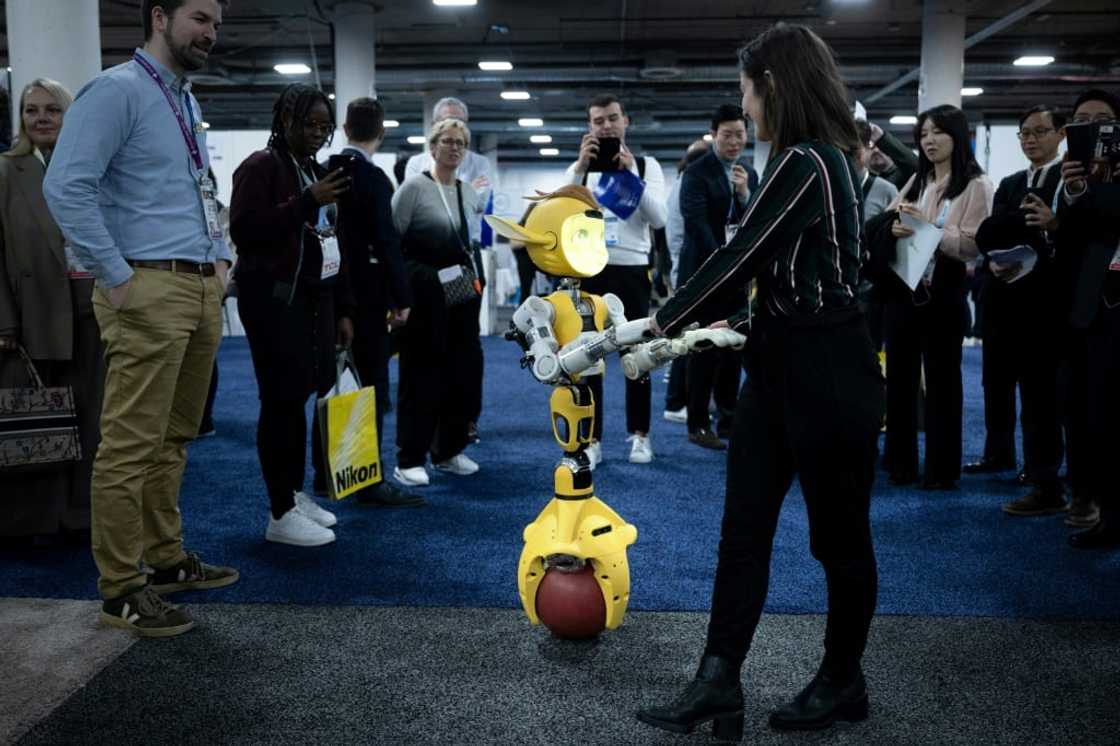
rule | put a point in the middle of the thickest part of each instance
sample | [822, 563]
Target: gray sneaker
[192, 574]
[146, 614]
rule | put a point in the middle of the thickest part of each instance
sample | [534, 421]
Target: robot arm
[645, 357]
[532, 328]
[587, 351]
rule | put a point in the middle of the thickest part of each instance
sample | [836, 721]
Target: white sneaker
[307, 505]
[460, 464]
[295, 528]
[641, 452]
[676, 415]
[594, 454]
[413, 476]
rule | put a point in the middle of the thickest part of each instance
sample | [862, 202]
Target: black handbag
[38, 426]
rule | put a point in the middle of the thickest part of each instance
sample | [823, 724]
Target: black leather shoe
[705, 438]
[715, 695]
[1101, 536]
[988, 466]
[388, 495]
[822, 703]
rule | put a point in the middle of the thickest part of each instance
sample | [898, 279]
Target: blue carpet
[939, 553]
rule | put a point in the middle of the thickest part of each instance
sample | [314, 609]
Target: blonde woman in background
[45, 308]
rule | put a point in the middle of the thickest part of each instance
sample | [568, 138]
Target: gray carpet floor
[285, 674]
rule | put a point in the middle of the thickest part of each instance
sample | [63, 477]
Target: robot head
[563, 232]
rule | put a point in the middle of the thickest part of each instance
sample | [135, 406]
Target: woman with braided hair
[291, 289]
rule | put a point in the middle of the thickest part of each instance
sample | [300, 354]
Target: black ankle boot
[824, 701]
[716, 694]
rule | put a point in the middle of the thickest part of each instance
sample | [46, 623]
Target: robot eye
[593, 214]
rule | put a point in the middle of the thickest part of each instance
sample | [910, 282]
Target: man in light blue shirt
[128, 184]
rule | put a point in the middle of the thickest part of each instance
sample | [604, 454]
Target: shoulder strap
[870, 182]
[642, 168]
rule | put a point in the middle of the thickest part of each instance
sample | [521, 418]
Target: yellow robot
[565, 337]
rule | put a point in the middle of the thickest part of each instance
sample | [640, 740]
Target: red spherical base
[571, 604]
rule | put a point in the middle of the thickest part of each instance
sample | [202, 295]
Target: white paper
[447, 274]
[1024, 255]
[860, 112]
[913, 253]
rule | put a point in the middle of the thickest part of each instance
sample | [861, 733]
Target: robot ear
[515, 232]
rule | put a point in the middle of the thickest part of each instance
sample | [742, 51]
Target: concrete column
[942, 71]
[45, 41]
[354, 54]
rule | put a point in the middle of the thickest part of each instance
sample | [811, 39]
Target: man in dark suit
[372, 249]
[1089, 260]
[1022, 324]
[714, 193]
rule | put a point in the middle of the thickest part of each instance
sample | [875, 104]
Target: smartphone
[348, 164]
[608, 149]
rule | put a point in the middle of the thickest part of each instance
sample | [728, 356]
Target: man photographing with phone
[638, 206]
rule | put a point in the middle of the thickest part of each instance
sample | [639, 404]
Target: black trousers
[526, 272]
[676, 394]
[1021, 348]
[1102, 435]
[713, 371]
[810, 408]
[440, 374]
[371, 355]
[632, 286]
[929, 335]
[292, 346]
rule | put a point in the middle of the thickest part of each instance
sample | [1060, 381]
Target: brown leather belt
[175, 265]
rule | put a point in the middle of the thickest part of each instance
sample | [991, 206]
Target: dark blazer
[268, 217]
[1006, 228]
[706, 202]
[369, 239]
[34, 286]
[1087, 241]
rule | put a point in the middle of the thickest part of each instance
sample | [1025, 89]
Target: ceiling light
[292, 68]
[971, 91]
[330, 96]
[708, 137]
[550, 151]
[416, 140]
[503, 66]
[1033, 61]
[904, 119]
[516, 95]
[391, 123]
[204, 125]
[453, 3]
[530, 122]
[540, 139]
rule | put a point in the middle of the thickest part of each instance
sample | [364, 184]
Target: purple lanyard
[188, 136]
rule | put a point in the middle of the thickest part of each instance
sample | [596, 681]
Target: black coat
[707, 205]
[1087, 241]
[369, 240]
[1007, 228]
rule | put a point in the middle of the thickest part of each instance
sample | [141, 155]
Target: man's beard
[182, 52]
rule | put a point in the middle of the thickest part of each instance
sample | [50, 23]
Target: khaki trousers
[159, 353]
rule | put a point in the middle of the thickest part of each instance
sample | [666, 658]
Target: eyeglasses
[449, 142]
[1037, 133]
[317, 126]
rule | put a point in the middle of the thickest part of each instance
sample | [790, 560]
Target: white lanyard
[447, 209]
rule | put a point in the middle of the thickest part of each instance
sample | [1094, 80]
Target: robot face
[583, 242]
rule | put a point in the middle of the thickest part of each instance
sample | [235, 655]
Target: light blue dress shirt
[121, 183]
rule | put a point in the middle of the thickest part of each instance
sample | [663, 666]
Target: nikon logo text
[348, 477]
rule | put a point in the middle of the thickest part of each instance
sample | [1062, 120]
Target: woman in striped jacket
[813, 396]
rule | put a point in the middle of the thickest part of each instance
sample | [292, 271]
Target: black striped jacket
[800, 236]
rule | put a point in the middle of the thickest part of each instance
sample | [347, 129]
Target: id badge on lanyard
[927, 276]
[611, 230]
[209, 193]
[328, 244]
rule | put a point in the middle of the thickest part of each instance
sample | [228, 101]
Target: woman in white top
[434, 408]
[927, 325]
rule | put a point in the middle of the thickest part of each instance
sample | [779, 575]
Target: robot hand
[645, 357]
[531, 327]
